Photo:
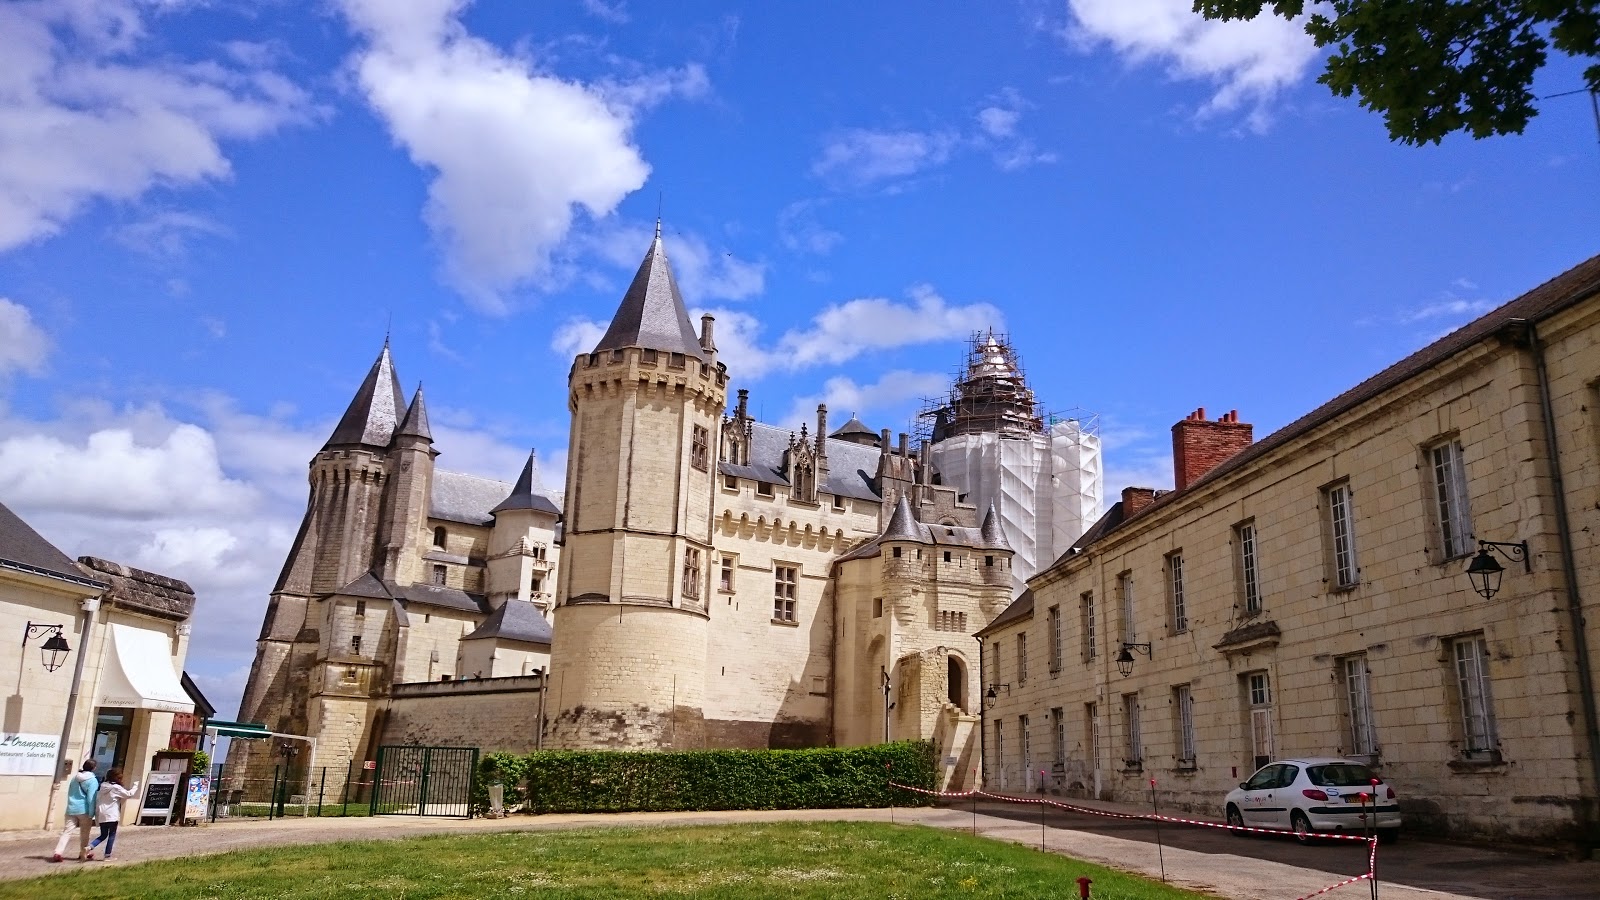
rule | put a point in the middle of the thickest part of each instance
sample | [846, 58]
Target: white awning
[138, 672]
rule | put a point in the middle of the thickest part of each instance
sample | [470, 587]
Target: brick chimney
[1135, 499]
[1199, 445]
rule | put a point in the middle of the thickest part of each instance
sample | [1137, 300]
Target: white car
[1321, 793]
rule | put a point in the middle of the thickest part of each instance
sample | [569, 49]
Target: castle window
[838, 503]
[700, 449]
[355, 645]
[731, 482]
[438, 537]
[783, 593]
[896, 552]
[988, 561]
[616, 355]
[536, 584]
[877, 607]
[691, 573]
[947, 556]
[439, 573]
[676, 360]
[648, 357]
[726, 581]
[763, 489]
[361, 607]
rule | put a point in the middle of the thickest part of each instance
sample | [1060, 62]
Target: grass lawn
[730, 862]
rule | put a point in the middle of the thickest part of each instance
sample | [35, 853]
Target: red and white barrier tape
[1372, 856]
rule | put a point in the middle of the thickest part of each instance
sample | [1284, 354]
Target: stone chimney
[1135, 499]
[1199, 445]
[707, 342]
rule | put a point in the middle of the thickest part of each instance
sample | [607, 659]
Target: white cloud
[859, 157]
[1452, 308]
[893, 392]
[84, 119]
[843, 331]
[615, 13]
[112, 473]
[167, 234]
[512, 151]
[800, 230]
[703, 273]
[1248, 61]
[998, 122]
[24, 346]
[576, 335]
[997, 130]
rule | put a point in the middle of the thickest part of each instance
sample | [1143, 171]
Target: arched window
[958, 689]
[438, 537]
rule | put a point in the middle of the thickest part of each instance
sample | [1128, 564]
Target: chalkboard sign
[159, 796]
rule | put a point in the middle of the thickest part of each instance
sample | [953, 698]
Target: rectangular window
[439, 573]
[1183, 709]
[1086, 613]
[838, 503]
[1091, 733]
[361, 607]
[1133, 745]
[877, 607]
[1058, 736]
[1450, 496]
[1027, 748]
[700, 448]
[355, 645]
[896, 552]
[536, 584]
[1341, 537]
[994, 670]
[1249, 573]
[1180, 610]
[763, 489]
[1479, 740]
[691, 573]
[1357, 680]
[1000, 750]
[1259, 696]
[725, 580]
[1125, 588]
[1054, 625]
[730, 482]
[783, 590]
[1022, 658]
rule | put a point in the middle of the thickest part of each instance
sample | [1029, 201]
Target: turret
[630, 649]
[411, 456]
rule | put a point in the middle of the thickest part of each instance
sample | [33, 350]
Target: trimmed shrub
[554, 781]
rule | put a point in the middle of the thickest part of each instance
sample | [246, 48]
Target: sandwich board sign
[160, 795]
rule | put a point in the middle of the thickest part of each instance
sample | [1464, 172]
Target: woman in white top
[108, 810]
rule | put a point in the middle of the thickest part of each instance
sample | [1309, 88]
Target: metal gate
[424, 781]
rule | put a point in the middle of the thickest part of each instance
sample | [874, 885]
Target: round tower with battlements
[629, 657]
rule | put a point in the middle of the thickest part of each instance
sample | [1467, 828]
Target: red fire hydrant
[1083, 886]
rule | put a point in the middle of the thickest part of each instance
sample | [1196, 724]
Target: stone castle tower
[631, 622]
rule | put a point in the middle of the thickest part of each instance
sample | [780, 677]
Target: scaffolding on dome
[990, 438]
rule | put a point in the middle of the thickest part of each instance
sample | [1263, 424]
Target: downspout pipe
[1569, 574]
[983, 724]
[90, 606]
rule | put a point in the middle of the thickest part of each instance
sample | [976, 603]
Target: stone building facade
[1306, 595]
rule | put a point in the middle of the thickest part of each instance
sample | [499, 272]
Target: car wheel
[1388, 835]
[1235, 821]
[1302, 827]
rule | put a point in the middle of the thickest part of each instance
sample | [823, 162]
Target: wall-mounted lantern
[55, 648]
[992, 695]
[1485, 571]
[1125, 657]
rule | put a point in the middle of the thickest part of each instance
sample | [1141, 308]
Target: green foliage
[1434, 67]
[618, 781]
[200, 763]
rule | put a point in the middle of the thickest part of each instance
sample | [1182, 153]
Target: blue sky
[211, 213]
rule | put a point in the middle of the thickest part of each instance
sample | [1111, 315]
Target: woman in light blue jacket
[81, 791]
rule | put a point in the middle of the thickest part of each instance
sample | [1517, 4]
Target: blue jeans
[108, 833]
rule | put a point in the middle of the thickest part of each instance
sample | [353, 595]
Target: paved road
[1492, 873]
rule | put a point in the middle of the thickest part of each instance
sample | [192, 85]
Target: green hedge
[622, 781]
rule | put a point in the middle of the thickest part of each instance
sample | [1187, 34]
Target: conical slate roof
[903, 526]
[415, 424]
[993, 535]
[852, 428]
[528, 492]
[652, 314]
[377, 406]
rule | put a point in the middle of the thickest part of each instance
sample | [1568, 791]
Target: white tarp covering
[138, 672]
[1046, 487]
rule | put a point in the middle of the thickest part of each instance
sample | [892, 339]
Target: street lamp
[1484, 571]
[54, 650]
[1125, 657]
[992, 695]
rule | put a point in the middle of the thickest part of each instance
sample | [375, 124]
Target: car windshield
[1341, 775]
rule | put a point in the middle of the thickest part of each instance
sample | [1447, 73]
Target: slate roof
[652, 314]
[369, 586]
[528, 492]
[23, 548]
[993, 535]
[903, 526]
[514, 620]
[855, 427]
[470, 499]
[376, 409]
[415, 423]
[851, 467]
[1020, 608]
[1577, 284]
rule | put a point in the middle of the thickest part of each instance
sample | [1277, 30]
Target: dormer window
[439, 536]
[676, 360]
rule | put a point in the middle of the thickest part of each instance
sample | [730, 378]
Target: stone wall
[492, 714]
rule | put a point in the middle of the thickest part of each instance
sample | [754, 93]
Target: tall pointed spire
[415, 424]
[903, 525]
[528, 493]
[375, 410]
[994, 536]
[652, 314]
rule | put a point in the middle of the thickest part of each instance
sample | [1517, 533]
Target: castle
[704, 580]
